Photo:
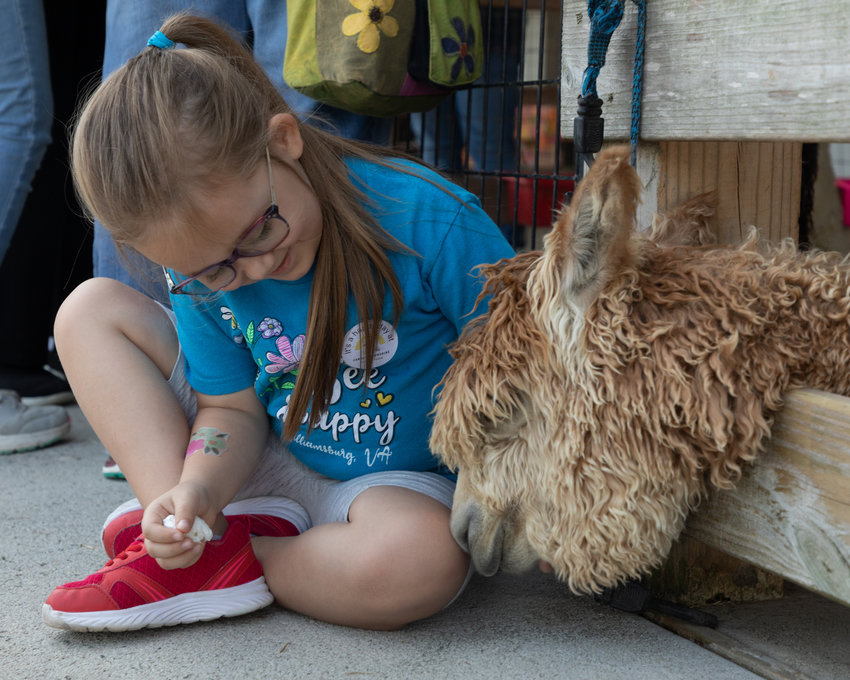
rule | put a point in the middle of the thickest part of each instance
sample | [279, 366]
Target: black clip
[588, 132]
[633, 597]
[588, 125]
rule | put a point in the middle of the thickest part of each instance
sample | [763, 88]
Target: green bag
[382, 57]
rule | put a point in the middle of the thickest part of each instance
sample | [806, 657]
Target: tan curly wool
[618, 373]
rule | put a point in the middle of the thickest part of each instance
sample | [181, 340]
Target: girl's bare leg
[394, 562]
[118, 348]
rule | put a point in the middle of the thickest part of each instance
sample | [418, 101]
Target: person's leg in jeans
[480, 121]
[439, 134]
[26, 108]
[475, 129]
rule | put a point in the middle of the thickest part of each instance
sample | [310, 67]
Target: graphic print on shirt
[283, 364]
[359, 421]
[367, 431]
[235, 331]
[288, 357]
[354, 346]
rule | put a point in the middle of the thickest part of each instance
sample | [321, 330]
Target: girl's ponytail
[204, 34]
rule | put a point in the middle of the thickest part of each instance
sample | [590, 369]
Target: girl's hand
[170, 547]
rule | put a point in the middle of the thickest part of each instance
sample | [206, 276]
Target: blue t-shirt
[254, 335]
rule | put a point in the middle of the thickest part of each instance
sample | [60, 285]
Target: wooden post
[756, 183]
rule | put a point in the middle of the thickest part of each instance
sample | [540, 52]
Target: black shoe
[37, 387]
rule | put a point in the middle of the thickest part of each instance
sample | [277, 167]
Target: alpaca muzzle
[494, 542]
[480, 535]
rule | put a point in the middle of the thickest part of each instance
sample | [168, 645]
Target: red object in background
[844, 187]
[525, 199]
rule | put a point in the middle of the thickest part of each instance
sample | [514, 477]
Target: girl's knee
[90, 303]
[101, 310]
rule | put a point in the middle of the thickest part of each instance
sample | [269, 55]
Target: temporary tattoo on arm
[208, 440]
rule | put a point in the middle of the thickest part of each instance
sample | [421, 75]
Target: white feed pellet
[199, 533]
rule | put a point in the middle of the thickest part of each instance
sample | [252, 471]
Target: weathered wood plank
[756, 183]
[721, 70]
[762, 664]
[790, 513]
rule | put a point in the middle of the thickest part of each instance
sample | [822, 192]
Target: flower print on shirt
[270, 328]
[280, 372]
[235, 331]
[288, 357]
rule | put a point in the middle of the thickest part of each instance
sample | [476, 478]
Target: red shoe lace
[133, 547]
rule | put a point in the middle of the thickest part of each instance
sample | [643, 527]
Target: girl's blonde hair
[172, 120]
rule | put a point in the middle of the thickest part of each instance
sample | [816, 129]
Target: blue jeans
[26, 107]
[459, 124]
[129, 24]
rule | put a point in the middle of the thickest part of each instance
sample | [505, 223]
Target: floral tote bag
[382, 57]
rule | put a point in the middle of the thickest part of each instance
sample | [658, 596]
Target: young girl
[316, 285]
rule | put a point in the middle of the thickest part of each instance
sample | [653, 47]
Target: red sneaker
[264, 515]
[132, 591]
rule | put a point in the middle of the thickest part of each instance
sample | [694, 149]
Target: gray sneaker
[24, 428]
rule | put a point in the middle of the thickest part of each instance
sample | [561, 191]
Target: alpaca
[618, 375]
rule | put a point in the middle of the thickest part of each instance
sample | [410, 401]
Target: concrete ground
[52, 505]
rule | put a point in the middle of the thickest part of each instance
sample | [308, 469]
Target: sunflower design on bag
[369, 22]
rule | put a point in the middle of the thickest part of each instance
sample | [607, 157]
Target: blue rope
[605, 16]
[637, 78]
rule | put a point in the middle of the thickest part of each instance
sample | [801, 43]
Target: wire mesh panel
[500, 137]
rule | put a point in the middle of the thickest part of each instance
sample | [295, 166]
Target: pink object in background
[844, 187]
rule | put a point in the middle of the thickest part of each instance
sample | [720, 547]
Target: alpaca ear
[591, 239]
[580, 249]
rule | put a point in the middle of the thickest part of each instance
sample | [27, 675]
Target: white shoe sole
[186, 608]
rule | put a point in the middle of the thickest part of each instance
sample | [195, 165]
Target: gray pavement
[52, 504]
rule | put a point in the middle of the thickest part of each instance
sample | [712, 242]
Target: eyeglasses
[264, 235]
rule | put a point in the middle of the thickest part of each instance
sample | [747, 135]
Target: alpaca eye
[506, 419]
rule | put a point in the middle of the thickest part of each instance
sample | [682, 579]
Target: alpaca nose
[479, 534]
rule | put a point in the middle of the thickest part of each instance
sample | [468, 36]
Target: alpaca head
[540, 474]
[618, 373]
